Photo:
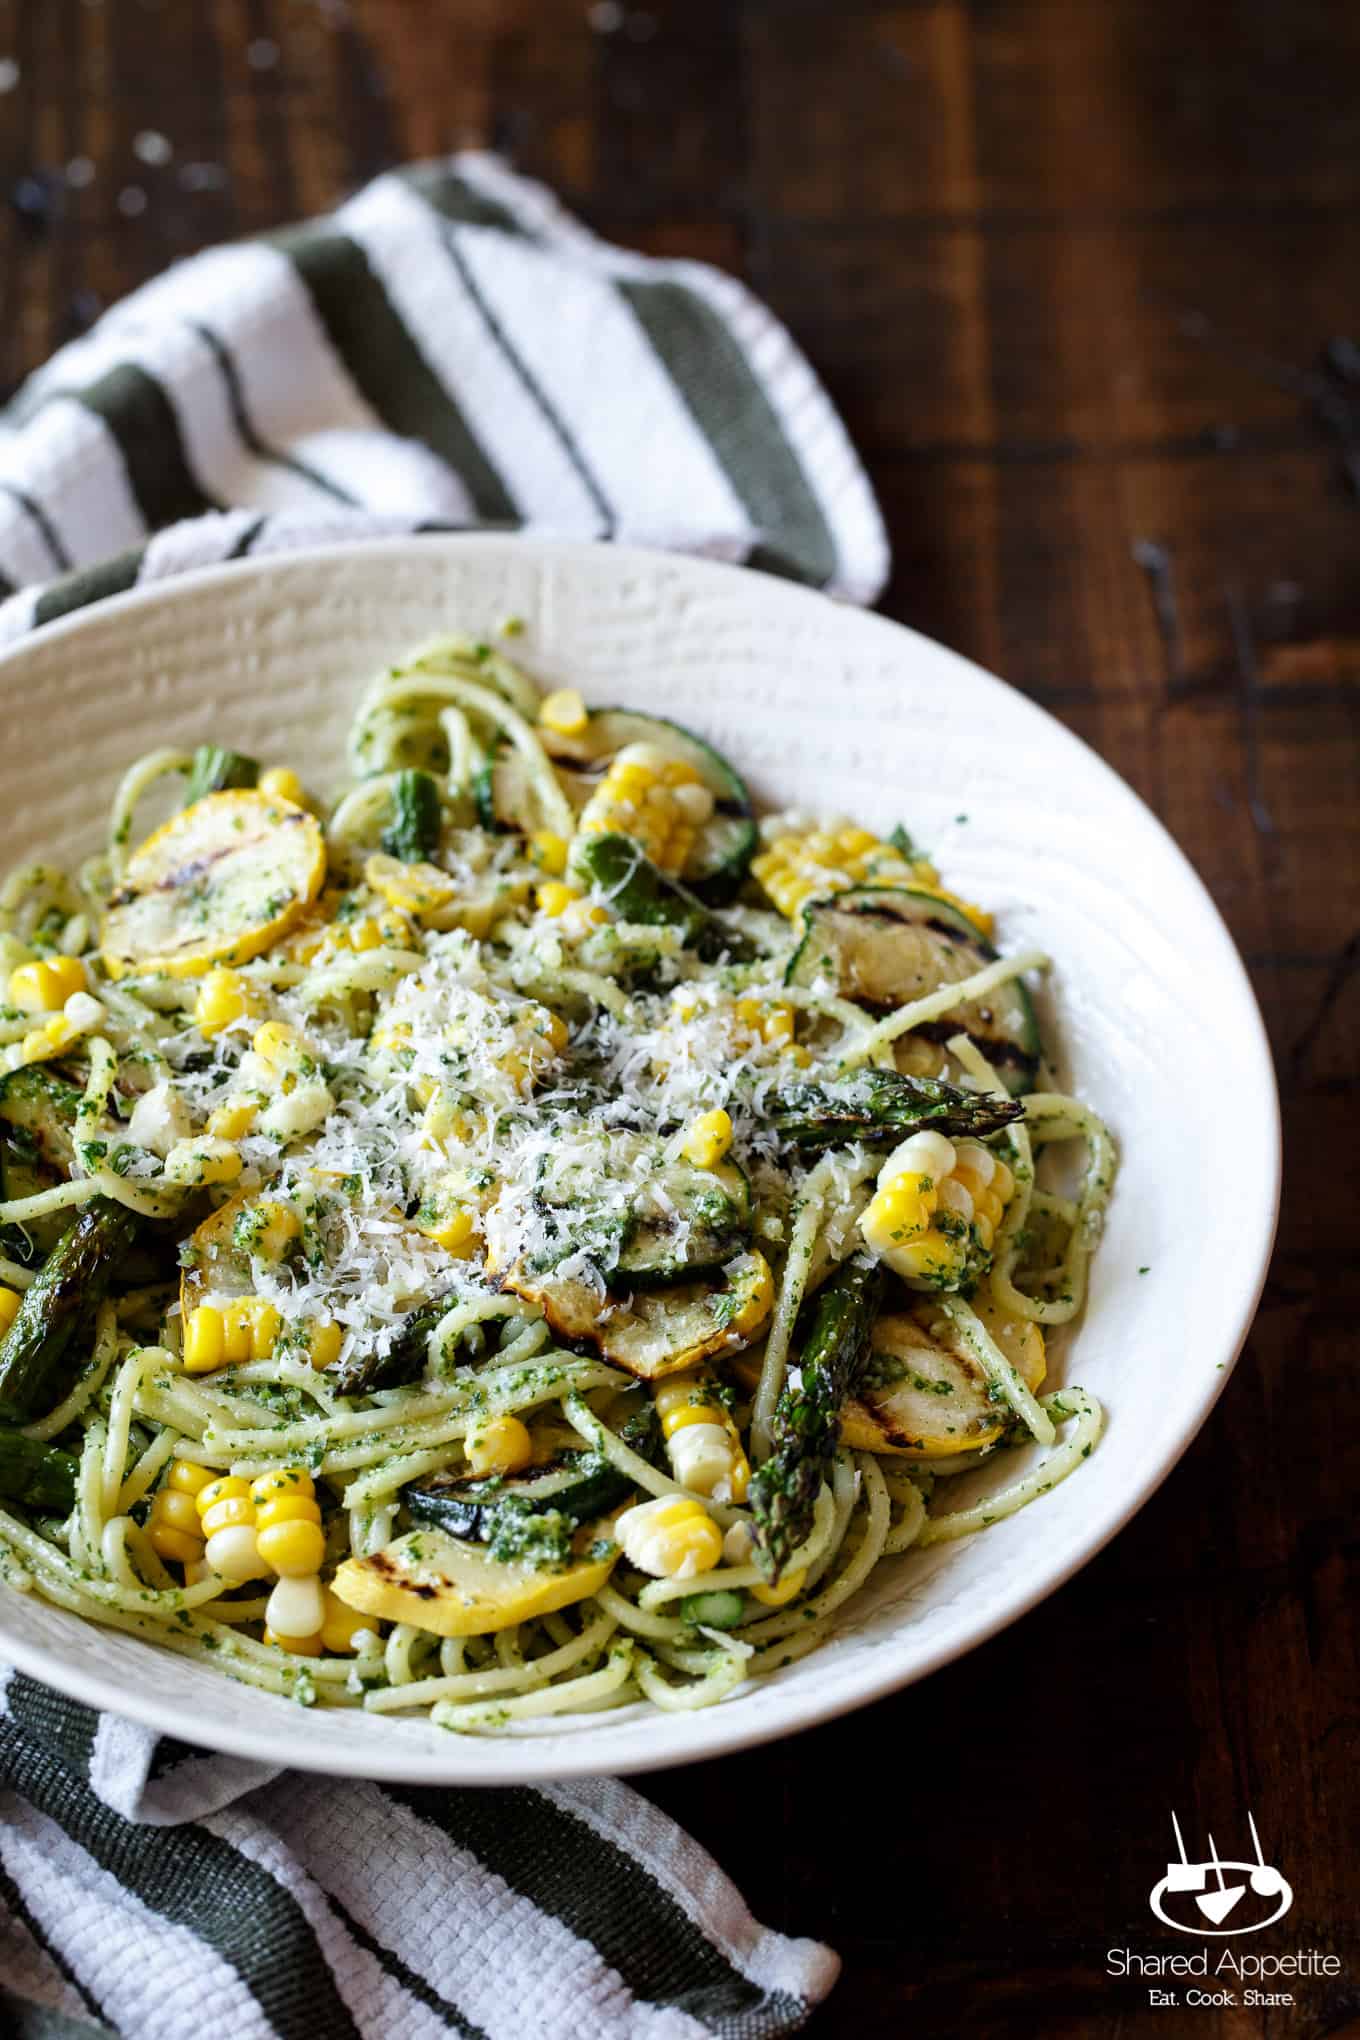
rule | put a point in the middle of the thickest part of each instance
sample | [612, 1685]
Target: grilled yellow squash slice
[455, 1588]
[218, 883]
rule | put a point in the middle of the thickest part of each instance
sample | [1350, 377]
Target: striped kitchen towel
[447, 350]
[156, 1892]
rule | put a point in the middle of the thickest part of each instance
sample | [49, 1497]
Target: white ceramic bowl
[820, 706]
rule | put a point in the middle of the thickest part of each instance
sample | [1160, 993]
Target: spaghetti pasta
[448, 1128]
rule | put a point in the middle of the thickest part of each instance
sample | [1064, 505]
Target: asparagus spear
[37, 1475]
[639, 892]
[413, 832]
[214, 770]
[881, 1105]
[807, 1418]
[405, 1360]
[72, 1280]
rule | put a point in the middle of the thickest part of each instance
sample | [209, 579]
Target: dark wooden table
[1069, 267]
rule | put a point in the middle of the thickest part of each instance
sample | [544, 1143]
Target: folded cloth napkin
[158, 1892]
[447, 350]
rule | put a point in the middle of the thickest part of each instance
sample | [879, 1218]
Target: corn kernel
[287, 1509]
[770, 1021]
[278, 1045]
[579, 917]
[897, 1214]
[204, 1347]
[324, 1342]
[759, 1300]
[296, 1609]
[174, 1507]
[226, 1485]
[921, 1154]
[564, 711]
[708, 1139]
[233, 1555]
[299, 1646]
[45, 987]
[554, 897]
[555, 1032]
[292, 1548]
[341, 1625]
[280, 782]
[250, 1326]
[412, 888]
[205, 1160]
[501, 1446]
[549, 851]
[80, 1017]
[451, 1231]
[232, 1120]
[788, 1589]
[227, 1513]
[176, 1545]
[281, 1481]
[10, 1301]
[189, 1479]
[277, 1230]
[223, 997]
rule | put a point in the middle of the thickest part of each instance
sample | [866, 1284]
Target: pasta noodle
[491, 1225]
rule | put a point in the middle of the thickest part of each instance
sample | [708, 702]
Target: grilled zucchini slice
[925, 1396]
[886, 945]
[643, 1218]
[655, 1335]
[37, 1151]
[41, 1107]
[579, 1485]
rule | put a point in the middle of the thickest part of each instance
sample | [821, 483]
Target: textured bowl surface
[1152, 1021]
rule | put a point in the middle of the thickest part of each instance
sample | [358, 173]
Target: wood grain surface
[1071, 269]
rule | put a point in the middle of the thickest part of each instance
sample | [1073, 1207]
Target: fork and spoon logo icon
[1217, 1898]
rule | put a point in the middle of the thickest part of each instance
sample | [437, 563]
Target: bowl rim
[714, 1732]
